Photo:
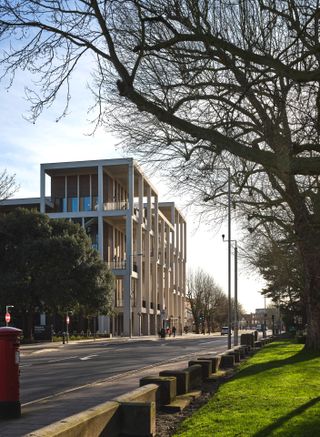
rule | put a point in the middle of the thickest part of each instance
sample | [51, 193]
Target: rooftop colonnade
[141, 239]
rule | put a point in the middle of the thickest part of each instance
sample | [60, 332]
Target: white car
[224, 330]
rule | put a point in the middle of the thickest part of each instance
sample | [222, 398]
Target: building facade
[142, 240]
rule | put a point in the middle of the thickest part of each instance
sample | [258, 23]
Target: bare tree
[7, 185]
[207, 84]
[278, 260]
[209, 304]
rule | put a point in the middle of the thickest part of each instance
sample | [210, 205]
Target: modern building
[141, 239]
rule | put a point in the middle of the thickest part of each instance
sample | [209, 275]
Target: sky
[24, 146]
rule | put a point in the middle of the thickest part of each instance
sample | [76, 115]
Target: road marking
[88, 357]
[58, 360]
[44, 350]
[112, 378]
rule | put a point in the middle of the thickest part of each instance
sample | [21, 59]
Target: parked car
[224, 330]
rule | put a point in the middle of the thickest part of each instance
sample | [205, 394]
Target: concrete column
[127, 308]
[42, 189]
[140, 258]
[155, 285]
[100, 235]
[167, 268]
[148, 261]
[177, 257]
[162, 264]
[100, 188]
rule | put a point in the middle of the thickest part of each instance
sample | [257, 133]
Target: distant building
[142, 241]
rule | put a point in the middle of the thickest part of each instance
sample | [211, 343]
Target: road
[58, 381]
[52, 371]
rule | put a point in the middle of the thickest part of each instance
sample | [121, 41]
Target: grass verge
[275, 393]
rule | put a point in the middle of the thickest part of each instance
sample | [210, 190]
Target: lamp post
[229, 253]
[229, 260]
[67, 324]
[236, 313]
[139, 315]
[236, 316]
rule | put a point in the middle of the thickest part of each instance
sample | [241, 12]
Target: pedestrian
[174, 331]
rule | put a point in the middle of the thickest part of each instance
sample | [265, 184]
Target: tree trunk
[313, 328]
[28, 325]
[310, 249]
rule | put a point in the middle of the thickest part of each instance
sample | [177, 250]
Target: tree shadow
[254, 369]
[305, 429]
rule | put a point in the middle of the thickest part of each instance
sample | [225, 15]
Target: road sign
[68, 320]
[7, 318]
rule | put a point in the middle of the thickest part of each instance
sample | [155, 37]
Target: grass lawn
[275, 393]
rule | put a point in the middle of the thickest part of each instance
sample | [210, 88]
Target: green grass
[275, 393]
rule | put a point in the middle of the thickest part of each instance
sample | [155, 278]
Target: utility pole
[236, 313]
[229, 261]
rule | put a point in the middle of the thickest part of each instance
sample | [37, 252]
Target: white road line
[58, 360]
[88, 357]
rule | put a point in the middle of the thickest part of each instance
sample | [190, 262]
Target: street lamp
[236, 316]
[139, 315]
[67, 324]
[229, 252]
[229, 259]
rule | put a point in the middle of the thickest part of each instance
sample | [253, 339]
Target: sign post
[67, 323]
[7, 318]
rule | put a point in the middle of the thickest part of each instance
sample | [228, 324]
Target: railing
[120, 265]
[117, 265]
[75, 204]
[112, 206]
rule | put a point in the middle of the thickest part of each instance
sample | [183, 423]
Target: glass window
[95, 203]
[63, 204]
[74, 204]
[86, 204]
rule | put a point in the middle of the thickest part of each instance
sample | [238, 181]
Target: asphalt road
[58, 381]
[50, 371]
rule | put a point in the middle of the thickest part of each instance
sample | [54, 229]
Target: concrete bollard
[132, 414]
[206, 366]
[215, 361]
[235, 353]
[167, 391]
[138, 419]
[195, 375]
[182, 379]
[242, 352]
[227, 361]
[247, 339]
[138, 411]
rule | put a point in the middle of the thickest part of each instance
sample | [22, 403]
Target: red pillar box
[10, 406]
